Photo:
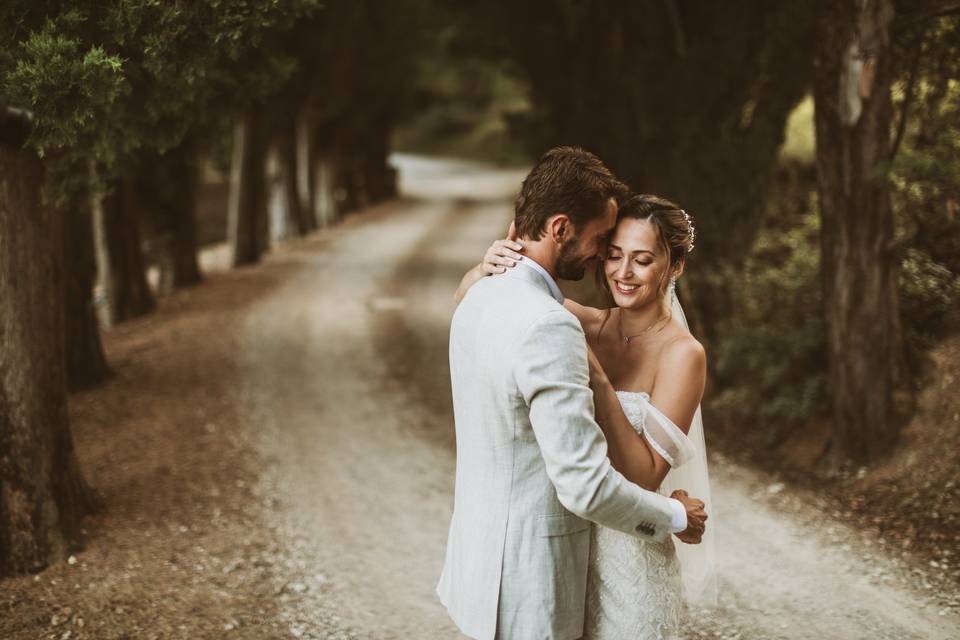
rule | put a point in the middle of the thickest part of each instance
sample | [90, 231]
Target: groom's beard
[569, 265]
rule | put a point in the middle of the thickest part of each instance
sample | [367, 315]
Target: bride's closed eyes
[613, 257]
[643, 257]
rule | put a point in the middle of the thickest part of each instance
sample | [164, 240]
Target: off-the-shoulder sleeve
[667, 438]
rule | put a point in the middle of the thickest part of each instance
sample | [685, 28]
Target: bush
[929, 294]
[771, 357]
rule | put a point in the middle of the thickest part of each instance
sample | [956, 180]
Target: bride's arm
[629, 451]
[469, 279]
[682, 371]
[500, 255]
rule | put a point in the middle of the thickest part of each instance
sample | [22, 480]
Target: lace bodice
[634, 589]
[634, 405]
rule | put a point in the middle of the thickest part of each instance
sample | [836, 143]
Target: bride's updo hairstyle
[675, 232]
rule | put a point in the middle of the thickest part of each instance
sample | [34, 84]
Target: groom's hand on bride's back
[696, 517]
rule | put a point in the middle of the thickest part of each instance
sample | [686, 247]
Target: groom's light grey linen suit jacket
[532, 466]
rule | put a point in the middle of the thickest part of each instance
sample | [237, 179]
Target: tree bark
[42, 492]
[853, 118]
[349, 191]
[328, 186]
[295, 216]
[306, 164]
[167, 188]
[380, 179]
[120, 264]
[279, 223]
[247, 209]
[86, 363]
[181, 248]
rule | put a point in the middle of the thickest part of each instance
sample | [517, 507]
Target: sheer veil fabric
[697, 562]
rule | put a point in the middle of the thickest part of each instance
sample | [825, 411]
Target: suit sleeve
[553, 377]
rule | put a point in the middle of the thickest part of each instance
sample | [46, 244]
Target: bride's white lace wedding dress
[634, 588]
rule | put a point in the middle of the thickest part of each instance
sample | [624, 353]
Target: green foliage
[56, 72]
[104, 79]
[929, 293]
[926, 185]
[771, 352]
[73, 89]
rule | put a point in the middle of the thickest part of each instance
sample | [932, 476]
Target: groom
[532, 465]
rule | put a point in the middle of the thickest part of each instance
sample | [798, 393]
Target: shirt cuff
[679, 520]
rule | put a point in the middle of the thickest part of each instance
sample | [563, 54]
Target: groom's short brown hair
[566, 180]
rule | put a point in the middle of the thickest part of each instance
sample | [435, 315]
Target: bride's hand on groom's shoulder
[696, 517]
[502, 254]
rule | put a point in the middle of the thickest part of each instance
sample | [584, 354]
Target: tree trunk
[859, 265]
[306, 163]
[42, 492]
[348, 188]
[280, 227]
[120, 264]
[247, 209]
[167, 191]
[86, 363]
[328, 187]
[380, 179]
[181, 241]
[335, 185]
[295, 216]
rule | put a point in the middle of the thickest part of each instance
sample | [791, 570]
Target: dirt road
[346, 372]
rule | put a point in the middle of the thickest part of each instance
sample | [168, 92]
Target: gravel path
[345, 372]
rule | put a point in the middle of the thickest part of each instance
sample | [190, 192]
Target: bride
[647, 373]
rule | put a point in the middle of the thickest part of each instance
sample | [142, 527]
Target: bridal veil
[697, 562]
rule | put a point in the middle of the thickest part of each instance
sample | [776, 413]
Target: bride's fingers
[500, 255]
[507, 248]
[496, 260]
[492, 269]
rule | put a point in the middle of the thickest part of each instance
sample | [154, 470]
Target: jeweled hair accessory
[690, 229]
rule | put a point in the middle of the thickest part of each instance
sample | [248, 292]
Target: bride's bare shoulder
[683, 354]
[589, 317]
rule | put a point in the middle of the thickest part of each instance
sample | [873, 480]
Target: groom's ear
[559, 227]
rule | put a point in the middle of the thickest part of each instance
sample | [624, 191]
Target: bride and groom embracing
[567, 415]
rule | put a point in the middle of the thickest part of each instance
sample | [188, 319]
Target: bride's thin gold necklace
[627, 339]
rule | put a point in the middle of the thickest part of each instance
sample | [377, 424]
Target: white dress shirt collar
[551, 283]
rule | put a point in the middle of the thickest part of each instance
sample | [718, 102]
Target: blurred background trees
[122, 101]
[827, 258]
[806, 282]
